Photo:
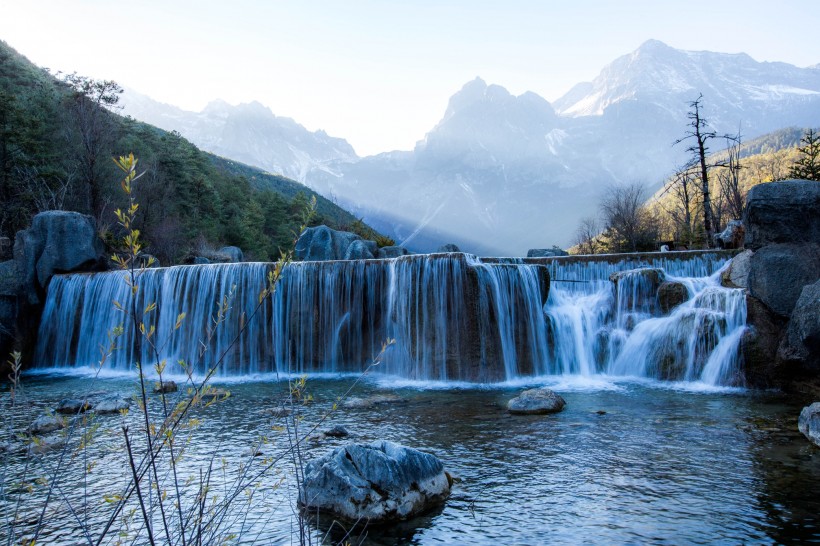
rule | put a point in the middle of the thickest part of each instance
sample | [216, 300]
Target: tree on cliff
[808, 163]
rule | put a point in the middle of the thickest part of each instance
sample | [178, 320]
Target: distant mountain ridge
[248, 132]
[500, 173]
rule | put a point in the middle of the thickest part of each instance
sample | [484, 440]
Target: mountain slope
[249, 133]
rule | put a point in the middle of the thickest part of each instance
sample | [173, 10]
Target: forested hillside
[58, 134]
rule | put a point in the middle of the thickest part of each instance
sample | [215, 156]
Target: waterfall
[616, 328]
[453, 317]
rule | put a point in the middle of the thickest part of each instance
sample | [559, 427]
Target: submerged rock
[380, 482]
[111, 404]
[165, 387]
[536, 402]
[45, 424]
[809, 423]
[339, 431]
[73, 406]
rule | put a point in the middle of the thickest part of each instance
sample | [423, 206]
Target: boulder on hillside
[801, 344]
[234, 254]
[380, 482]
[57, 242]
[392, 252]
[536, 402]
[809, 423]
[778, 273]
[671, 294]
[546, 252]
[361, 249]
[782, 212]
[736, 274]
[447, 248]
[732, 236]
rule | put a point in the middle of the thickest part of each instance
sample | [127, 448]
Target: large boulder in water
[321, 243]
[57, 242]
[782, 212]
[801, 344]
[536, 402]
[778, 273]
[809, 423]
[380, 482]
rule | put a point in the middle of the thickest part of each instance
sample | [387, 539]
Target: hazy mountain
[250, 133]
[500, 174]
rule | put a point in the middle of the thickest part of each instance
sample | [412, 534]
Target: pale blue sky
[379, 73]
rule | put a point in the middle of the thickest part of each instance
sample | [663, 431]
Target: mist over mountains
[501, 173]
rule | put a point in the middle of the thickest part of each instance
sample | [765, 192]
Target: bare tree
[700, 134]
[683, 190]
[627, 220]
[731, 193]
[586, 236]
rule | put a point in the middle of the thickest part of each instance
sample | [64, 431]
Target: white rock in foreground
[380, 482]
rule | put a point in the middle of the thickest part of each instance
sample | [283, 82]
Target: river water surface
[626, 461]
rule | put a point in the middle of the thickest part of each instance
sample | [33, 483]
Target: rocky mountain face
[500, 173]
[249, 133]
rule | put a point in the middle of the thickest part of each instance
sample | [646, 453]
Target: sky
[380, 73]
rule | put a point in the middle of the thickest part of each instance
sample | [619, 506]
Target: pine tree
[808, 164]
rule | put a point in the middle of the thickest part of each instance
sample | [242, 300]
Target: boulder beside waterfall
[57, 242]
[380, 482]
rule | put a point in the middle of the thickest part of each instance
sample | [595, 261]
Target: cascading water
[606, 319]
[453, 317]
